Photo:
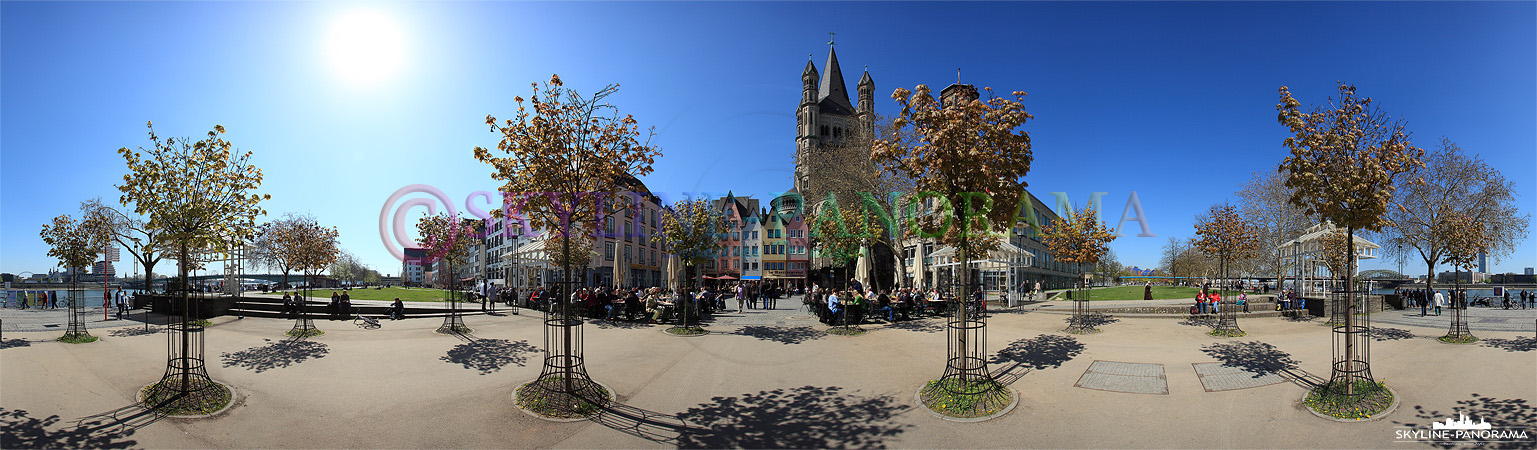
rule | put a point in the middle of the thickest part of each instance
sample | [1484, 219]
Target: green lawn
[1135, 293]
[386, 294]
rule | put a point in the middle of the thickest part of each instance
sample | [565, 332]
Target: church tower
[826, 116]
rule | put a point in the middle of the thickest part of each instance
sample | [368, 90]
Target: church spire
[832, 82]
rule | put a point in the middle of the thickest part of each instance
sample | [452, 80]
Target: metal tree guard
[76, 321]
[966, 372]
[1227, 310]
[1351, 337]
[1082, 321]
[1459, 328]
[185, 376]
[453, 322]
[563, 382]
[303, 325]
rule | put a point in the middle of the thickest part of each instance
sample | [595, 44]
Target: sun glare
[365, 47]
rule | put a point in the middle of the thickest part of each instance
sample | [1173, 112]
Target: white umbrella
[674, 278]
[619, 273]
[862, 268]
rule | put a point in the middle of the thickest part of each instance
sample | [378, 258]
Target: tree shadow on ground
[620, 324]
[1255, 357]
[1047, 351]
[645, 424]
[1503, 414]
[783, 335]
[489, 355]
[133, 331]
[1380, 334]
[1094, 320]
[13, 343]
[920, 326]
[1198, 321]
[1525, 344]
[276, 355]
[18, 430]
[1298, 318]
[803, 417]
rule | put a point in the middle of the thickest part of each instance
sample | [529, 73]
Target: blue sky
[1175, 101]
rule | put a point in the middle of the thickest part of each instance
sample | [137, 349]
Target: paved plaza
[753, 383]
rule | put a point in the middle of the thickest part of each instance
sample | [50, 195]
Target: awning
[751, 277]
[725, 277]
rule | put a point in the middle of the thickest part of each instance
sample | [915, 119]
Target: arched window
[824, 130]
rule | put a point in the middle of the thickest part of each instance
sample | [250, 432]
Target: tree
[1266, 201]
[1225, 235]
[846, 171]
[145, 244]
[691, 232]
[973, 154]
[1346, 155]
[562, 159]
[76, 245]
[1463, 236]
[843, 233]
[309, 248]
[1079, 237]
[273, 244]
[1453, 184]
[199, 194]
[448, 239]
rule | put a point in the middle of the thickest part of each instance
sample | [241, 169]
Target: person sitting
[1200, 302]
[397, 310]
[834, 307]
[632, 305]
[288, 304]
[883, 304]
[336, 304]
[346, 305]
[654, 308]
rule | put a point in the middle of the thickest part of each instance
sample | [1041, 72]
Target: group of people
[118, 300]
[854, 305]
[1208, 301]
[340, 306]
[1289, 301]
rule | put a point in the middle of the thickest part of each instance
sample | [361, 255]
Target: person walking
[121, 302]
[741, 299]
[1424, 305]
[1440, 301]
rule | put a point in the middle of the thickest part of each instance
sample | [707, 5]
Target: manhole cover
[1134, 378]
[1218, 377]
[51, 325]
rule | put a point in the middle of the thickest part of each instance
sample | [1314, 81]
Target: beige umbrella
[862, 268]
[674, 277]
[619, 273]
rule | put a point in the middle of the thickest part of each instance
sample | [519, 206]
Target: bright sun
[365, 47]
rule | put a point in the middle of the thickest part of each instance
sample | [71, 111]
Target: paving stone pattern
[1218, 377]
[1479, 319]
[1134, 378]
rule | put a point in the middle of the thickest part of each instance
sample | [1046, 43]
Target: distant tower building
[1483, 262]
[825, 116]
[1529, 270]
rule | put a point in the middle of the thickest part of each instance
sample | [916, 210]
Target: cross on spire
[830, 40]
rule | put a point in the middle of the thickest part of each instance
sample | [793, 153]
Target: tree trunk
[1350, 309]
[186, 375]
[565, 310]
